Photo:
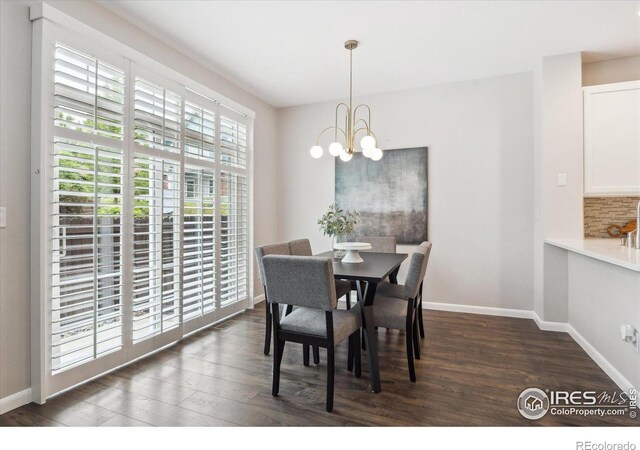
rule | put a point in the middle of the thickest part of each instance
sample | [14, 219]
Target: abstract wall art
[390, 194]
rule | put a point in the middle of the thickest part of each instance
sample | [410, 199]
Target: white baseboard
[258, 298]
[16, 400]
[600, 360]
[486, 310]
[561, 327]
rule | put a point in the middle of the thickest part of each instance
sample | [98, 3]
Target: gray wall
[557, 149]
[15, 50]
[480, 139]
[15, 116]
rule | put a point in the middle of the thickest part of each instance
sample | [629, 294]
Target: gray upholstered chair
[380, 244]
[307, 282]
[399, 311]
[394, 290]
[302, 247]
[281, 248]
[298, 247]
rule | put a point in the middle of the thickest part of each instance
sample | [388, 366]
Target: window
[199, 244]
[145, 228]
[233, 211]
[158, 117]
[86, 273]
[156, 241]
[233, 141]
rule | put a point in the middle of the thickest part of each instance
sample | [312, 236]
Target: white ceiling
[291, 53]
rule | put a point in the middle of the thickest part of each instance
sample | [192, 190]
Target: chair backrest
[417, 269]
[300, 281]
[281, 248]
[300, 247]
[380, 244]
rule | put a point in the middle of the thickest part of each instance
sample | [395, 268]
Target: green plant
[336, 222]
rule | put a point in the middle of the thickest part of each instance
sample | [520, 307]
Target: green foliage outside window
[74, 180]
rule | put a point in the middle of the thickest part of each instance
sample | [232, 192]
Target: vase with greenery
[338, 224]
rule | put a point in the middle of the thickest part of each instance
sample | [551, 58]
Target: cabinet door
[612, 139]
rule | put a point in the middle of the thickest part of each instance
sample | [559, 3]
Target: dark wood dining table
[375, 268]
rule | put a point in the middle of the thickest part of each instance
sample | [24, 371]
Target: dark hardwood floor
[472, 370]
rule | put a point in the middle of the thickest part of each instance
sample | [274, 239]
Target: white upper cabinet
[612, 139]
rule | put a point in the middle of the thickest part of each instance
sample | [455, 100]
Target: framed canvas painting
[390, 194]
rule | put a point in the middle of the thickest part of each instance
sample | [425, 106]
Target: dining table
[374, 268]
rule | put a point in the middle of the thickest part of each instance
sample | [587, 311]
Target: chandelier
[351, 124]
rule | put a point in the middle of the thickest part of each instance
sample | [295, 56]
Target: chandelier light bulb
[376, 154]
[366, 152]
[316, 151]
[335, 149]
[368, 142]
[344, 156]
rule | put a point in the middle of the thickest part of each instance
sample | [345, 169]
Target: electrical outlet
[3, 217]
[630, 335]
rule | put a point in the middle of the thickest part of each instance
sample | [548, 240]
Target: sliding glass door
[146, 235]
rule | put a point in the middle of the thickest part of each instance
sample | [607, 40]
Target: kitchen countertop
[607, 250]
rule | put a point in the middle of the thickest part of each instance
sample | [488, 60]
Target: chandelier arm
[358, 130]
[336, 122]
[369, 132]
[366, 125]
[330, 128]
[348, 137]
[355, 112]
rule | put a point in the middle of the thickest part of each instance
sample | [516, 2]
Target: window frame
[51, 26]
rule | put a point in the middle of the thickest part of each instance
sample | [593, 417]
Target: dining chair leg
[349, 300]
[409, 339]
[278, 350]
[350, 351]
[363, 340]
[416, 339]
[288, 310]
[357, 354]
[420, 319]
[267, 332]
[316, 355]
[305, 354]
[330, 377]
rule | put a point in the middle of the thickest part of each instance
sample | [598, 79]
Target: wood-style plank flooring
[472, 370]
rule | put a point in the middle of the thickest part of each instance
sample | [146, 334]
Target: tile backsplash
[601, 212]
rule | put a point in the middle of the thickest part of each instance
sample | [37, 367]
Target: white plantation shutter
[143, 210]
[86, 273]
[156, 237]
[158, 117]
[89, 94]
[234, 229]
[233, 142]
[199, 130]
[157, 211]
[233, 238]
[199, 243]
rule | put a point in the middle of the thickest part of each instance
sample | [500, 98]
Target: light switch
[3, 217]
[562, 179]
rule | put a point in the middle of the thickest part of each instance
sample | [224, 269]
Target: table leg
[393, 276]
[360, 290]
[371, 335]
